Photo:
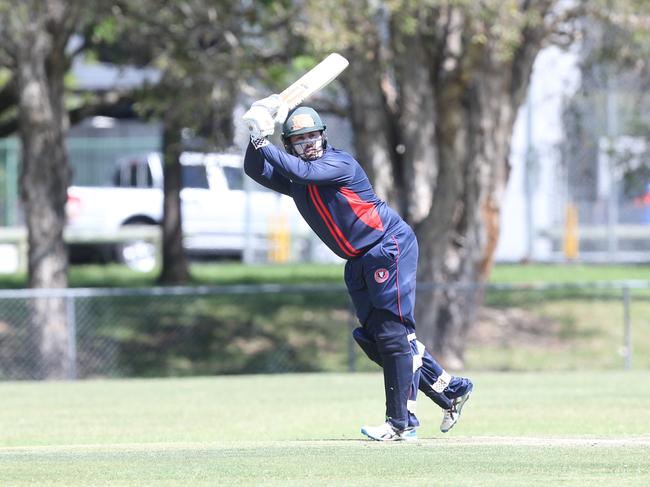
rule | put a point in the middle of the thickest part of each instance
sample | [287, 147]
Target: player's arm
[325, 170]
[261, 119]
[262, 172]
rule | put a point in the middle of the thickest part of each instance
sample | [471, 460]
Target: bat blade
[316, 78]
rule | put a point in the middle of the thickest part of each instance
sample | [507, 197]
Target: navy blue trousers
[381, 284]
[384, 277]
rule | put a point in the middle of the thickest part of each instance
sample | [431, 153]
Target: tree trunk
[45, 176]
[212, 115]
[476, 103]
[175, 268]
[433, 107]
[459, 235]
[371, 122]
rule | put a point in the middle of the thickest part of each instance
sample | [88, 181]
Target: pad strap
[411, 406]
[417, 358]
[443, 381]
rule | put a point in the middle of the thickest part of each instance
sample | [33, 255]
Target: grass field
[571, 428]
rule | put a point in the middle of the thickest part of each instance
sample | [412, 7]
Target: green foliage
[107, 30]
[5, 76]
[494, 25]
[636, 181]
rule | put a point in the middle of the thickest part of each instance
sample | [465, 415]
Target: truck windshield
[195, 177]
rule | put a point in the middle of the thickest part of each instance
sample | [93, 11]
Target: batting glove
[275, 106]
[259, 122]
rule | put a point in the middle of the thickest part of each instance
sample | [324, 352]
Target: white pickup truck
[224, 213]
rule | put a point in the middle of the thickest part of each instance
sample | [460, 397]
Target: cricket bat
[316, 78]
[313, 80]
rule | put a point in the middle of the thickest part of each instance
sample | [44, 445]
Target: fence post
[71, 319]
[627, 331]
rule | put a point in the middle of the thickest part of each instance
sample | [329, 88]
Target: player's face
[308, 146]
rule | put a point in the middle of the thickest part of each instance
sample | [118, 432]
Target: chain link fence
[172, 331]
[158, 332]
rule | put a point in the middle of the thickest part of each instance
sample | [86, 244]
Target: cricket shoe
[386, 432]
[451, 416]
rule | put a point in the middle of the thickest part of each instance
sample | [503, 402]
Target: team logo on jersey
[381, 275]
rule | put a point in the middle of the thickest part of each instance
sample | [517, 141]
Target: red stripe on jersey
[342, 242]
[366, 211]
[323, 214]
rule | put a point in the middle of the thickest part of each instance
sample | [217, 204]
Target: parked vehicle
[223, 212]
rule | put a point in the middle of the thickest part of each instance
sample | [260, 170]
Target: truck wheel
[138, 255]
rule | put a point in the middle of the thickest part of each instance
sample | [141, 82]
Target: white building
[529, 207]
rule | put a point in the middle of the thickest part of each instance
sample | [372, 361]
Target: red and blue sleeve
[264, 173]
[328, 169]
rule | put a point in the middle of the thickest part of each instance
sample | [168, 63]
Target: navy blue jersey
[332, 193]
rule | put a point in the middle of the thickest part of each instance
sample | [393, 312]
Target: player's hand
[259, 122]
[275, 106]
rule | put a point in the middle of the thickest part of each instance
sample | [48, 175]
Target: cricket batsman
[334, 196]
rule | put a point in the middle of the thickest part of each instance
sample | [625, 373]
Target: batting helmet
[301, 121]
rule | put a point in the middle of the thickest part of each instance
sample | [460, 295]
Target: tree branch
[100, 105]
